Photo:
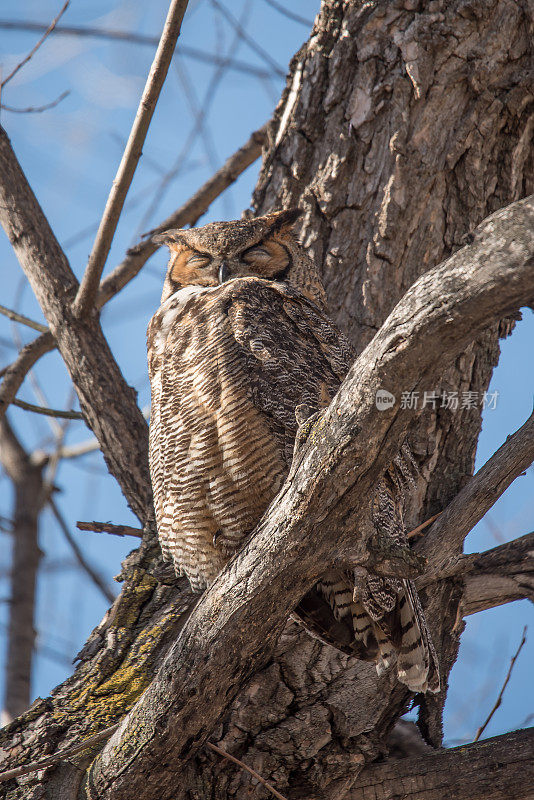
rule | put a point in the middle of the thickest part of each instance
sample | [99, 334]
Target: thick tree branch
[132, 153]
[107, 403]
[495, 769]
[326, 497]
[500, 575]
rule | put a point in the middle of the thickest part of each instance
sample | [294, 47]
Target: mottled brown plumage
[241, 347]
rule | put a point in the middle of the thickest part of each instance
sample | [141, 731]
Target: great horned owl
[240, 342]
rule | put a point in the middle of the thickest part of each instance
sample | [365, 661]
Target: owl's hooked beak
[224, 272]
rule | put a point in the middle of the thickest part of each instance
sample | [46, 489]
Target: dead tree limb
[500, 575]
[107, 527]
[443, 541]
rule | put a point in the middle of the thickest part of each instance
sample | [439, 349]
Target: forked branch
[444, 539]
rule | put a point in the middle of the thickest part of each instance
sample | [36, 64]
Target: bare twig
[49, 761]
[80, 558]
[289, 14]
[40, 396]
[88, 289]
[129, 37]
[253, 772]
[107, 527]
[254, 46]
[505, 684]
[196, 112]
[53, 460]
[47, 412]
[15, 373]
[36, 109]
[40, 457]
[32, 52]
[423, 525]
[16, 317]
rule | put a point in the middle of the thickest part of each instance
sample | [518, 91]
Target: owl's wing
[293, 354]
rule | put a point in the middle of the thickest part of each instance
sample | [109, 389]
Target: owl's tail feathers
[409, 646]
[381, 621]
[417, 663]
[388, 613]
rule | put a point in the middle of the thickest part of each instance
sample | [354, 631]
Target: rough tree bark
[403, 125]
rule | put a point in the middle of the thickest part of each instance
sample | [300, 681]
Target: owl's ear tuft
[169, 238]
[283, 221]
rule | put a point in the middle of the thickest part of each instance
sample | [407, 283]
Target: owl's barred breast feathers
[240, 342]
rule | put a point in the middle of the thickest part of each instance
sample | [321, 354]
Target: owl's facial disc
[220, 251]
[269, 259]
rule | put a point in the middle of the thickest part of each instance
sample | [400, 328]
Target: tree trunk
[28, 500]
[402, 126]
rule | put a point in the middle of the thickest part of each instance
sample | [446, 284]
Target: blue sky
[70, 155]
